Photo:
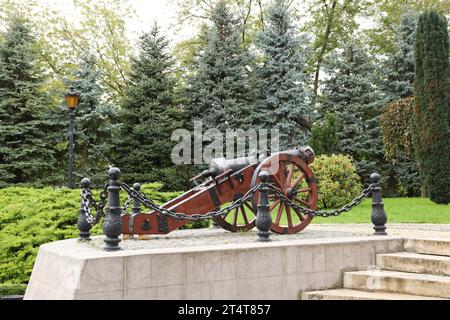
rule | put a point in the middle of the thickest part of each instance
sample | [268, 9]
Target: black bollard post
[263, 218]
[83, 225]
[112, 225]
[378, 217]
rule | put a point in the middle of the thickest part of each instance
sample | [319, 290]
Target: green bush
[30, 217]
[337, 180]
[12, 289]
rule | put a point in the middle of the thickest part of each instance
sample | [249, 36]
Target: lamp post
[72, 104]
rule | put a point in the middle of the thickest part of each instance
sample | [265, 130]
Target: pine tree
[26, 149]
[94, 128]
[431, 117]
[324, 136]
[284, 101]
[221, 92]
[398, 88]
[400, 66]
[351, 93]
[149, 115]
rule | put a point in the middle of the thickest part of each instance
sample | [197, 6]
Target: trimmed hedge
[12, 289]
[337, 180]
[30, 217]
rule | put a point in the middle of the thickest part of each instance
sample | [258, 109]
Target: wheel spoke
[299, 214]
[289, 177]
[280, 211]
[304, 190]
[289, 217]
[244, 214]
[297, 181]
[249, 207]
[235, 216]
[277, 181]
[274, 205]
[302, 202]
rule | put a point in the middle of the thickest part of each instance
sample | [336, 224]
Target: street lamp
[72, 104]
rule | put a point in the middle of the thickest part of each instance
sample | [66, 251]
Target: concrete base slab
[280, 269]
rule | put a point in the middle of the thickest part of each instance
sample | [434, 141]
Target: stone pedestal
[282, 269]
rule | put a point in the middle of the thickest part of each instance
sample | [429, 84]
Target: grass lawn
[398, 210]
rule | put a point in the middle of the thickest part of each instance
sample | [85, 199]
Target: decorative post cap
[85, 183]
[374, 177]
[114, 173]
[263, 176]
[137, 186]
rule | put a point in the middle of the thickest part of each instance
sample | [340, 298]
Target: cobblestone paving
[212, 236]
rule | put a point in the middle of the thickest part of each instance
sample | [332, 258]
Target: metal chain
[324, 214]
[87, 201]
[127, 204]
[183, 216]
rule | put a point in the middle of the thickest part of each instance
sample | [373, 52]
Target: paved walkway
[211, 236]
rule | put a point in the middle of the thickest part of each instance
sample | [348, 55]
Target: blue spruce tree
[221, 93]
[284, 102]
[351, 93]
[398, 88]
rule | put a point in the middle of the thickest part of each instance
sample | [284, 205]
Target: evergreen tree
[324, 136]
[351, 93]
[400, 66]
[149, 115]
[284, 101]
[94, 127]
[26, 150]
[431, 117]
[221, 92]
[398, 88]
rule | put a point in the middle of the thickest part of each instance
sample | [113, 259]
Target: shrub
[30, 217]
[337, 180]
[12, 289]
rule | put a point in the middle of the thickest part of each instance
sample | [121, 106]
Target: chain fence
[87, 202]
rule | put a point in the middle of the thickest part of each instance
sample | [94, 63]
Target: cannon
[226, 181]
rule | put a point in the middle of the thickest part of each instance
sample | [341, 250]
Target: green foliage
[387, 15]
[12, 289]
[400, 65]
[337, 180]
[324, 135]
[31, 217]
[284, 103]
[149, 114]
[431, 117]
[395, 126]
[222, 92]
[352, 93]
[26, 150]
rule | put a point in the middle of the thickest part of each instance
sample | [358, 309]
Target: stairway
[421, 272]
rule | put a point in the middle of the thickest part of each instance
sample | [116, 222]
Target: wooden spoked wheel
[241, 219]
[293, 177]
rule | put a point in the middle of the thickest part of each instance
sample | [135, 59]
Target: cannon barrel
[221, 165]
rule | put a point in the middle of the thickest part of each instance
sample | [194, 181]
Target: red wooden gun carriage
[228, 180]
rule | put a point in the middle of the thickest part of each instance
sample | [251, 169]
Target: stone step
[414, 263]
[398, 282]
[349, 294]
[428, 246]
